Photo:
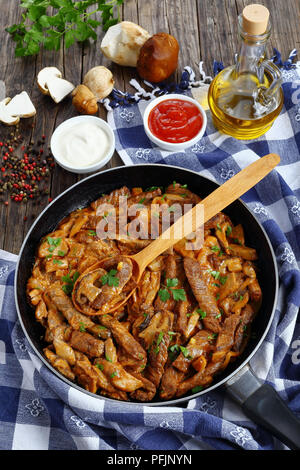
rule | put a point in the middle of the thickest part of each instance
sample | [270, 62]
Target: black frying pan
[258, 400]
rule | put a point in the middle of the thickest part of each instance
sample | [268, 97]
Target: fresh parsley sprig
[69, 282]
[110, 278]
[48, 22]
[177, 294]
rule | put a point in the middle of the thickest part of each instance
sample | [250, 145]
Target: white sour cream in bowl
[83, 144]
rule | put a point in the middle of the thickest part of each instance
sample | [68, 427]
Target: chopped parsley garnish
[92, 233]
[223, 279]
[152, 188]
[100, 366]
[158, 341]
[53, 241]
[218, 315]
[174, 348]
[197, 389]
[228, 231]
[141, 201]
[57, 261]
[215, 274]
[61, 253]
[219, 227]
[114, 374]
[212, 336]
[236, 241]
[184, 186]
[201, 312]
[185, 352]
[69, 282]
[217, 249]
[174, 182]
[110, 278]
[81, 327]
[108, 358]
[160, 338]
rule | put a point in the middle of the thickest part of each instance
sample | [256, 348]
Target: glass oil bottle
[247, 97]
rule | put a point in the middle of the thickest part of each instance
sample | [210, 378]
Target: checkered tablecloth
[39, 411]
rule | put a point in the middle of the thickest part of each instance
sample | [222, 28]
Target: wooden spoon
[190, 222]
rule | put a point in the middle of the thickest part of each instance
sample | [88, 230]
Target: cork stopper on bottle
[255, 19]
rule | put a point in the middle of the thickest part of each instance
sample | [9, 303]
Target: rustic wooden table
[205, 29]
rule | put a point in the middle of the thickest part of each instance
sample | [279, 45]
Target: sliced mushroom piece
[50, 82]
[5, 117]
[21, 105]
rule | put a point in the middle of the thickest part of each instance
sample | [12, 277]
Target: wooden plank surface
[205, 29]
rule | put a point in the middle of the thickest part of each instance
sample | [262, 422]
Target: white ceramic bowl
[68, 124]
[170, 145]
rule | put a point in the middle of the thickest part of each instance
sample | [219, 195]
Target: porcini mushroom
[50, 82]
[84, 100]
[122, 43]
[20, 106]
[100, 81]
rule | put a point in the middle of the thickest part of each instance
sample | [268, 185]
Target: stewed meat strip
[170, 382]
[76, 319]
[146, 392]
[242, 332]
[225, 338]
[129, 344]
[157, 357]
[200, 379]
[200, 279]
[86, 343]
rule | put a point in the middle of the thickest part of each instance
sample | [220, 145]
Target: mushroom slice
[5, 117]
[21, 105]
[44, 76]
[11, 110]
[50, 82]
[59, 88]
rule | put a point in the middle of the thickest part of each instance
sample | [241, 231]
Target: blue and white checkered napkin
[39, 411]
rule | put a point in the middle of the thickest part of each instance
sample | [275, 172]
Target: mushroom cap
[122, 43]
[100, 81]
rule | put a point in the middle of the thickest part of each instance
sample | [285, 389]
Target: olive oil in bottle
[247, 97]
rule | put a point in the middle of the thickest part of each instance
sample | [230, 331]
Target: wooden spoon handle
[210, 206]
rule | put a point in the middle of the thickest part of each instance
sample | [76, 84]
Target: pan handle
[262, 404]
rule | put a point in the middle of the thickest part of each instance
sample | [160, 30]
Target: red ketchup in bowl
[175, 120]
